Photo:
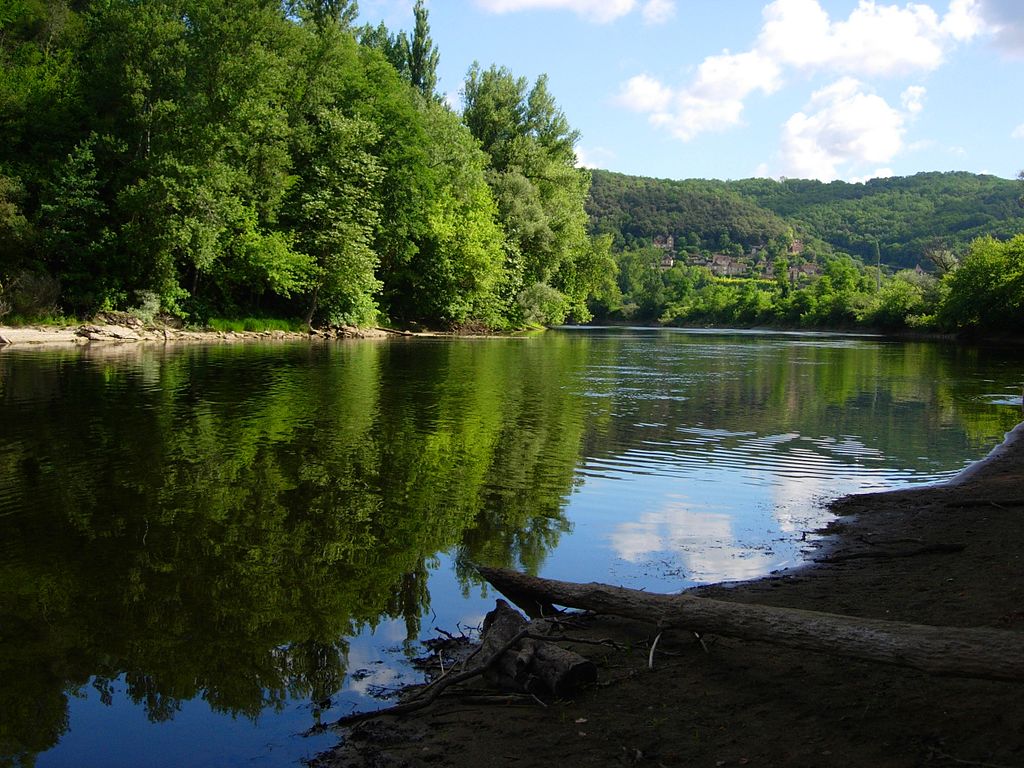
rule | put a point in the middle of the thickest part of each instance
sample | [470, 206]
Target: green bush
[256, 325]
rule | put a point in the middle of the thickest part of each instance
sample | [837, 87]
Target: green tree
[538, 188]
[73, 218]
[780, 272]
[334, 214]
[394, 47]
[415, 60]
[340, 12]
[986, 290]
[459, 272]
[15, 230]
[902, 301]
[423, 54]
[192, 91]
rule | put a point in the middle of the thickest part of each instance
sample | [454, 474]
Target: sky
[732, 89]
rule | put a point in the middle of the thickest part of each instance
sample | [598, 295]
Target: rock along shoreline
[127, 333]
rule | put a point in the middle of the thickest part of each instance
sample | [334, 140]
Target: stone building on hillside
[667, 244]
[804, 272]
[724, 265]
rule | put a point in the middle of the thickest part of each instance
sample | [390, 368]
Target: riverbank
[749, 703]
[128, 332]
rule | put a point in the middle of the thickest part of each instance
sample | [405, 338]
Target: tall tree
[415, 60]
[539, 190]
[394, 47]
[423, 54]
[341, 12]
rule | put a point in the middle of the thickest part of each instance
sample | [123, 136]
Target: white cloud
[795, 31]
[913, 99]
[644, 93]
[692, 115]
[734, 76]
[844, 126]
[964, 20]
[1018, 132]
[658, 11]
[876, 39]
[713, 102]
[599, 11]
[1004, 19]
[594, 157]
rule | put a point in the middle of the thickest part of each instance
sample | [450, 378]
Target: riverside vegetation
[204, 159]
[935, 252]
[264, 159]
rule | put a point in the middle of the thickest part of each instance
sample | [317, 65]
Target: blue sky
[729, 89]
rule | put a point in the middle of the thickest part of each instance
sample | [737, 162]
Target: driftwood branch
[429, 694]
[515, 658]
[977, 653]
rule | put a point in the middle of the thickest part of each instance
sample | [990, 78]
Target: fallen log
[990, 654]
[527, 664]
[532, 665]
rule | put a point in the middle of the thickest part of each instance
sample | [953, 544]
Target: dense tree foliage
[804, 253]
[986, 290]
[899, 221]
[263, 157]
[539, 191]
[257, 158]
[697, 213]
[904, 218]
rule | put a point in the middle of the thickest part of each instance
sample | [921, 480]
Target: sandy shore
[750, 703]
[113, 333]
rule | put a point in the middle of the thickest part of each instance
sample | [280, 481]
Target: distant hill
[905, 216]
[696, 213]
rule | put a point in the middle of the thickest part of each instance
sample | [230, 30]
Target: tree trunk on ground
[531, 665]
[979, 653]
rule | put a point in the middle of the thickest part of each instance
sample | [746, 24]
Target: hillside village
[755, 263]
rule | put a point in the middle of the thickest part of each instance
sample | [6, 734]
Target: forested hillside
[907, 218]
[200, 158]
[936, 251]
[697, 213]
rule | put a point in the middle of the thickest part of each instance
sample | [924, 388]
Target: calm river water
[203, 549]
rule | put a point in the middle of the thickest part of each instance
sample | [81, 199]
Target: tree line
[808, 254]
[982, 291]
[262, 158]
[202, 159]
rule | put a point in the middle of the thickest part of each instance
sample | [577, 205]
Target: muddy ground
[750, 703]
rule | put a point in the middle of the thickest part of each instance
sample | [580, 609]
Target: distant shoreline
[86, 333]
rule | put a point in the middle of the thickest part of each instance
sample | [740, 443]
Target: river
[206, 549]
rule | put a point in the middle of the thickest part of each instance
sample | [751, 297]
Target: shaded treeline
[201, 158]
